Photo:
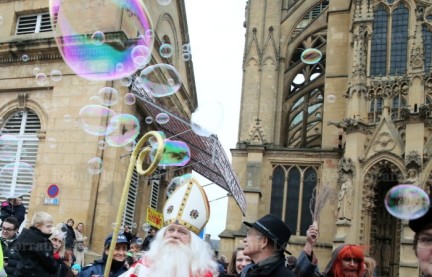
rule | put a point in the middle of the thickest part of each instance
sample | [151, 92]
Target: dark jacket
[19, 213]
[6, 210]
[98, 268]
[11, 254]
[36, 252]
[273, 266]
[70, 237]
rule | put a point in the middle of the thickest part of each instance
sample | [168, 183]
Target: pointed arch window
[19, 154]
[394, 28]
[399, 41]
[375, 109]
[292, 190]
[398, 102]
[379, 42]
[427, 43]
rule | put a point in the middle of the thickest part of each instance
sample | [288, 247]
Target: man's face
[424, 252]
[119, 253]
[253, 242]
[70, 223]
[350, 267]
[8, 230]
[177, 233]
[18, 201]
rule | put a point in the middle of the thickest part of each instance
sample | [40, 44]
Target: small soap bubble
[157, 86]
[130, 146]
[149, 120]
[130, 99]
[98, 38]
[126, 81]
[41, 79]
[36, 70]
[93, 118]
[101, 144]
[124, 128]
[162, 118]
[25, 58]
[94, 165]
[56, 75]
[311, 56]
[166, 50]
[152, 140]
[176, 182]
[407, 202]
[176, 153]
[109, 96]
[67, 118]
[186, 57]
[331, 98]
[52, 142]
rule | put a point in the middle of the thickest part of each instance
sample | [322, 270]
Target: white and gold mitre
[188, 206]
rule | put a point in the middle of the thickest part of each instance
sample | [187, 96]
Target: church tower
[356, 122]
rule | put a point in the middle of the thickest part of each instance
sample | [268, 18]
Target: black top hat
[419, 224]
[272, 227]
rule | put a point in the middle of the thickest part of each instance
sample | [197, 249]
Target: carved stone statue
[412, 176]
[345, 198]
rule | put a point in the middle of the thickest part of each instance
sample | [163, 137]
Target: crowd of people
[45, 249]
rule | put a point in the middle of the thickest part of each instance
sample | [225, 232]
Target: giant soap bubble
[91, 45]
[407, 202]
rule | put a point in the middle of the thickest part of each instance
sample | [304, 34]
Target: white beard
[172, 259]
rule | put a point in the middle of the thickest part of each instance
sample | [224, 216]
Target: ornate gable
[385, 139]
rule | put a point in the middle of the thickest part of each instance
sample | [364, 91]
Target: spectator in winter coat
[265, 243]
[118, 263]
[9, 229]
[19, 210]
[35, 248]
[70, 234]
[6, 209]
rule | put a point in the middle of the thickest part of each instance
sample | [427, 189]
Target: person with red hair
[347, 260]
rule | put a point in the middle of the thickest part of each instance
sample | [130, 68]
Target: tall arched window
[379, 42]
[399, 41]
[18, 147]
[427, 43]
[394, 28]
[277, 195]
[292, 190]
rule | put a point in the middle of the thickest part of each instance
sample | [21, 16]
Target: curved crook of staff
[137, 157]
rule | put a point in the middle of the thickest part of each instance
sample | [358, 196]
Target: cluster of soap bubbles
[42, 79]
[106, 56]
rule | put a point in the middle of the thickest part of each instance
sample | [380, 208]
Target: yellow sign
[154, 217]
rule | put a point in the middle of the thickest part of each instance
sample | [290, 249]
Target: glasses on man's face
[7, 229]
[424, 242]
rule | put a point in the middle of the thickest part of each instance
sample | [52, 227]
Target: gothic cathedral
[357, 122]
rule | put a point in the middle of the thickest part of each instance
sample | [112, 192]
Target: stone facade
[358, 121]
[63, 147]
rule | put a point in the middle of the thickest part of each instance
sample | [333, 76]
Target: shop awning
[208, 157]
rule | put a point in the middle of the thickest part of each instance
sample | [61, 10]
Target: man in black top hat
[423, 242]
[265, 243]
